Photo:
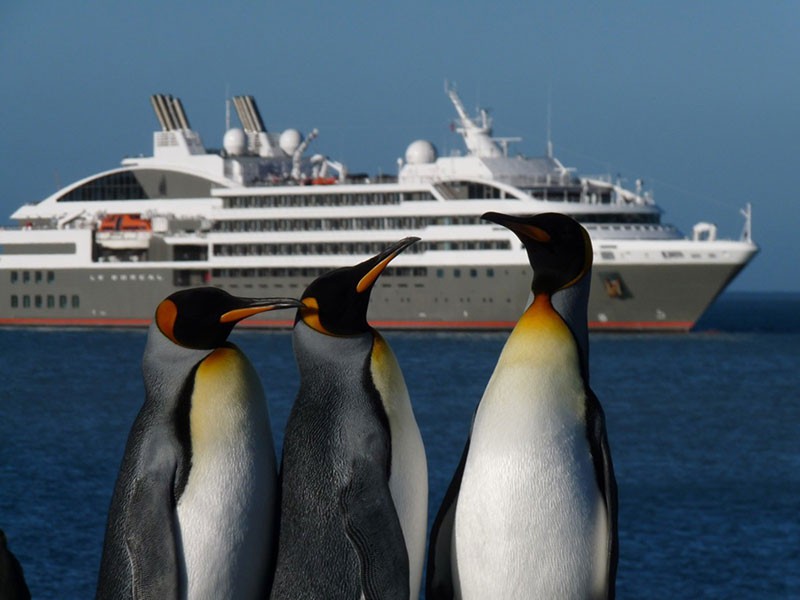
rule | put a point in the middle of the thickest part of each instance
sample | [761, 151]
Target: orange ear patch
[309, 314]
[537, 233]
[166, 313]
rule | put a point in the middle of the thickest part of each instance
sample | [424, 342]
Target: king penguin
[354, 480]
[531, 511]
[193, 509]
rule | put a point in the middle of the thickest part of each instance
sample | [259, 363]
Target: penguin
[531, 511]
[354, 479]
[193, 508]
[12, 579]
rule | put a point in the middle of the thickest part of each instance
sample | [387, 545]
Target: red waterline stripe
[78, 322]
[95, 322]
[641, 324]
[285, 324]
[443, 324]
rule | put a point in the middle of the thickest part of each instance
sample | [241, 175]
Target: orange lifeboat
[124, 223]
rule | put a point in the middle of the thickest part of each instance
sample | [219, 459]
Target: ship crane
[323, 163]
[298, 154]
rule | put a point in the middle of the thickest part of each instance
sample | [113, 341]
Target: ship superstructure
[264, 217]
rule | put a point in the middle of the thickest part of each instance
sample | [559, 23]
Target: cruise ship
[265, 215]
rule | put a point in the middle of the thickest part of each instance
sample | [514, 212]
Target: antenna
[227, 107]
[549, 123]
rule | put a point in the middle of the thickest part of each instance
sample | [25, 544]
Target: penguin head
[559, 248]
[336, 303]
[202, 318]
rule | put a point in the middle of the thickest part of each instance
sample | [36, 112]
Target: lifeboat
[124, 223]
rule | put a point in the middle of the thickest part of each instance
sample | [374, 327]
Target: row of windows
[49, 300]
[49, 277]
[329, 248]
[652, 228]
[316, 272]
[649, 221]
[127, 277]
[310, 272]
[35, 276]
[467, 245]
[361, 199]
[369, 223]
[139, 184]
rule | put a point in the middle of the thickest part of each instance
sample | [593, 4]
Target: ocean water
[704, 431]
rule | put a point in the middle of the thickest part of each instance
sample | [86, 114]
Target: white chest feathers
[225, 514]
[408, 482]
[530, 521]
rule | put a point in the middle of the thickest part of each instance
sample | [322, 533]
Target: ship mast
[478, 138]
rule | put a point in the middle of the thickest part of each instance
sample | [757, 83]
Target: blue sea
[704, 430]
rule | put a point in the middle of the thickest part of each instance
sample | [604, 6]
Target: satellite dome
[421, 152]
[234, 141]
[290, 140]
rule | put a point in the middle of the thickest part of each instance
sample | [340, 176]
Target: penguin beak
[375, 265]
[252, 306]
[524, 231]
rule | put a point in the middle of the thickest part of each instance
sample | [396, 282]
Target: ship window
[51, 301]
[490, 272]
[38, 276]
[37, 301]
[76, 302]
[14, 276]
[140, 184]
[473, 272]
[26, 301]
[14, 301]
[26, 276]
[62, 301]
[456, 272]
[51, 276]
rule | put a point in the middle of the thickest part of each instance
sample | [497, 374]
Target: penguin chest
[408, 481]
[529, 516]
[225, 511]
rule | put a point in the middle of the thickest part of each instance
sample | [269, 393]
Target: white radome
[234, 141]
[290, 140]
[421, 152]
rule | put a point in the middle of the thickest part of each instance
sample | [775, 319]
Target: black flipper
[152, 541]
[606, 482]
[373, 527]
[439, 576]
[140, 553]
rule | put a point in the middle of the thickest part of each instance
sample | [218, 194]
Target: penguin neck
[540, 363]
[539, 333]
[166, 366]
[569, 306]
[540, 315]
[313, 348]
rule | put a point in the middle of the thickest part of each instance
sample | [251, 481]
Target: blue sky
[699, 99]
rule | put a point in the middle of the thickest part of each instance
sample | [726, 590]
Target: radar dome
[290, 140]
[421, 152]
[234, 142]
